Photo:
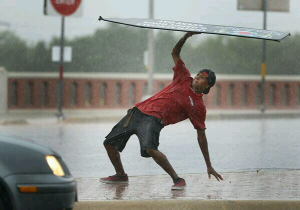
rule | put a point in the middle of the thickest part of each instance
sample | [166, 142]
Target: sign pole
[61, 68]
[71, 8]
[263, 63]
[264, 5]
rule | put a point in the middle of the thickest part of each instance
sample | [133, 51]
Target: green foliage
[164, 43]
[114, 49]
[121, 49]
[13, 52]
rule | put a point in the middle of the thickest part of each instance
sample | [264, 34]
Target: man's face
[200, 83]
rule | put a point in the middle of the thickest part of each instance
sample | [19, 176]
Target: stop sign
[65, 7]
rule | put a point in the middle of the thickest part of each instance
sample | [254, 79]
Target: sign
[272, 5]
[146, 61]
[202, 28]
[56, 54]
[72, 8]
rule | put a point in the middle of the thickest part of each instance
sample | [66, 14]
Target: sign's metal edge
[278, 40]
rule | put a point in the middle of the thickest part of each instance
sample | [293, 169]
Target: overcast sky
[26, 17]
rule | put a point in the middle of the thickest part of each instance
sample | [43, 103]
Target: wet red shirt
[177, 101]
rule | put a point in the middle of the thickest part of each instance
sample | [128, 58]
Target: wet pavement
[258, 159]
[262, 185]
[234, 145]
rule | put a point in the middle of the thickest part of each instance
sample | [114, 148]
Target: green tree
[113, 49]
[283, 58]
[13, 52]
[39, 58]
[164, 43]
[121, 49]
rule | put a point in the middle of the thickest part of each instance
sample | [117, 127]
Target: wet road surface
[239, 149]
[235, 145]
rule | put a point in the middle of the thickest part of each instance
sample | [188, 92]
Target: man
[178, 101]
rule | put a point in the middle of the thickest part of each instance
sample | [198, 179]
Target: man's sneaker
[115, 179]
[179, 184]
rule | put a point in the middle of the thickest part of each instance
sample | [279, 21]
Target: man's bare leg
[162, 160]
[114, 156]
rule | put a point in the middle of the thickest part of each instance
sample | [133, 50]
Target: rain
[70, 102]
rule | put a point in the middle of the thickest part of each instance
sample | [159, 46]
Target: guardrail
[121, 90]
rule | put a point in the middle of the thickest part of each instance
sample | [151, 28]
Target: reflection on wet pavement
[177, 194]
[117, 189]
[265, 185]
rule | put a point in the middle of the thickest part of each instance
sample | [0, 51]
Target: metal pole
[150, 50]
[61, 68]
[263, 63]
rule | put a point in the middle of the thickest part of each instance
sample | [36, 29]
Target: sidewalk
[104, 115]
[278, 189]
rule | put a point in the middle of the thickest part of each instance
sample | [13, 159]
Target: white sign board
[69, 8]
[146, 58]
[272, 5]
[56, 54]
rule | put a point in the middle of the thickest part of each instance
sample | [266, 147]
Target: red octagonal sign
[65, 7]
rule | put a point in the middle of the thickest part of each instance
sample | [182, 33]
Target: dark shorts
[146, 127]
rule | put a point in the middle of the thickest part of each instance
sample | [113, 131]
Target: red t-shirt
[177, 101]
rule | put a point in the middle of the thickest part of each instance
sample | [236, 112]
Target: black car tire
[4, 199]
[1, 204]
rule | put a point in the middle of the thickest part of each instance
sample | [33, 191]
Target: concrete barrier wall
[3, 90]
[115, 90]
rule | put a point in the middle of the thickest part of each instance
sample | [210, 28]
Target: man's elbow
[175, 52]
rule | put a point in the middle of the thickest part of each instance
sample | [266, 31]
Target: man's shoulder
[199, 105]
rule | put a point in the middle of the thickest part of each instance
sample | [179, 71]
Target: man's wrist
[187, 36]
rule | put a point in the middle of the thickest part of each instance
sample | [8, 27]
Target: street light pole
[263, 63]
[150, 50]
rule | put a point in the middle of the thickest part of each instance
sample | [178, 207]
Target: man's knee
[107, 146]
[151, 151]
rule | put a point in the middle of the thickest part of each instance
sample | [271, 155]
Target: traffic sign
[71, 8]
[65, 7]
[272, 5]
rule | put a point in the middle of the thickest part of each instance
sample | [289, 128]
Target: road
[234, 145]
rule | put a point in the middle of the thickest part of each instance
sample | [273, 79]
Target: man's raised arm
[177, 49]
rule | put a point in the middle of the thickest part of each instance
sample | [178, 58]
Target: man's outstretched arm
[204, 148]
[177, 49]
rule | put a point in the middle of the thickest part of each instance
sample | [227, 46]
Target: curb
[189, 204]
[20, 118]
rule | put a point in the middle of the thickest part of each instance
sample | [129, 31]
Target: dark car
[33, 177]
